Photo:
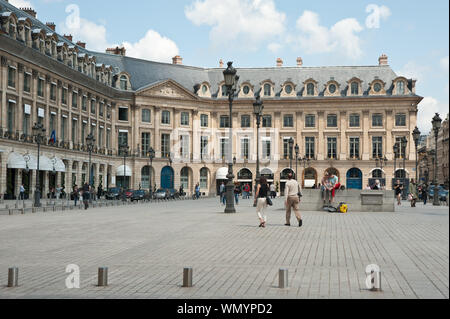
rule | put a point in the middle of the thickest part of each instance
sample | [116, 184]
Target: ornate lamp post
[436, 127]
[39, 135]
[123, 148]
[151, 155]
[297, 149]
[416, 136]
[380, 161]
[230, 83]
[291, 144]
[404, 143]
[90, 140]
[258, 108]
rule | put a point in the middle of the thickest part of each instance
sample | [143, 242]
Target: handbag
[410, 198]
[269, 201]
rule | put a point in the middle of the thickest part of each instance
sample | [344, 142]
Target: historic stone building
[342, 117]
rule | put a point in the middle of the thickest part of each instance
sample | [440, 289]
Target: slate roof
[144, 73]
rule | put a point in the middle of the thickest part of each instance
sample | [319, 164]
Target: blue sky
[253, 33]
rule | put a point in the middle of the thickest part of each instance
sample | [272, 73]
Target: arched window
[267, 89]
[204, 178]
[377, 173]
[310, 89]
[354, 88]
[400, 88]
[123, 82]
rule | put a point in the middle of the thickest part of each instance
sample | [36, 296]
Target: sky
[254, 33]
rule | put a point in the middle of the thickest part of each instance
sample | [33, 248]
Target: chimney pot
[279, 62]
[299, 61]
[30, 11]
[82, 44]
[51, 25]
[117, 51]
[68, 37]
[221, 63]
[383, 59]
[177, 60]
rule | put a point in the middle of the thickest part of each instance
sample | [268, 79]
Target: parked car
[113, 193]
[129, 193]
[138, 195]
[442, 192]
[160, 194]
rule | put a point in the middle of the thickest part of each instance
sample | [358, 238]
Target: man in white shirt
[292, 190]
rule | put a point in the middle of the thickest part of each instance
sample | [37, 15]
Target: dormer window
[377, 87]
[267, 89]
[288, 89]
[310, 89]
[204, 89]
[400, 88]
[123, 83]
[246, 89]
[354, 88]
[12, 29]
[224, 90]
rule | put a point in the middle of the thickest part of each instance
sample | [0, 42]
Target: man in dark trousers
[86, 195]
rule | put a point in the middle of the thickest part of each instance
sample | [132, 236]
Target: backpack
[342, 208]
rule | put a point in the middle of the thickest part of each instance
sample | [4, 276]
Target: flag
[53, 137]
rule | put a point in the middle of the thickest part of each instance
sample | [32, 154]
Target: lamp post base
[37, 198]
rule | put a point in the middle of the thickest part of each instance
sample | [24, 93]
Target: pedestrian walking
[398, 188]
[22, 192]
[261, 193]
[425, 193]
[292, 193]
[246, 191]
[273, 191]
[237, 192]
[197, 191]
[86, 195]
[76, 195]
[222, 193]
[412, 190]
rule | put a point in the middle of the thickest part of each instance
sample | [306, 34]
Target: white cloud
[412, 70]
[94, 35]
[341, 37]
[427, 108]
[248, 22]
[378, 13]
[274, 47]
[153, 47]
[21, 3]
[444, 63]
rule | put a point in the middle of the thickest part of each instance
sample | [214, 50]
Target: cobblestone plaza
[146, 246]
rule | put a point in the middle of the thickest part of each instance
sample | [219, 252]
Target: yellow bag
[343, 208]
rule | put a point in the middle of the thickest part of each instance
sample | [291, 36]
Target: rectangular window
[377, 146]
[267, 121]
[224, 121]
[184, 146]
[288, 121]
[310, 120]
[204, 120]
[122, 140]
[84, 103]
[354, 120]
[377, 120]
[40, 88]
[64, 96]
[332, 120]
[123, 114]
[245, 121]
[83, 132]
[94, 107]
[108, 139]
[74, 100]
[63, 128]
[165, 145]
[286, 148]
[401, 148]
[184, 118]
[400, 119]
[52, 124]
[27, 82]
[332, 147]
[245, 148]
[165, 117]
[354, 147]
[145, 115]
[145, 142]
[309, 147]
[11, 115]
[26, 119]
[266, 149]
[100, 137]
[101, 109]
[11, 77]
[223, 147]
[74, 131]
[53, 91]
[204, 147]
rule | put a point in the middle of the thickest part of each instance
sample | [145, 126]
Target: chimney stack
[30, 11]
[383, 60]
[68, 37]
[117, 51]
[51, 25]
[82, 44]
[221, 63]
[177, 60]
[279, 62]
[299, 61]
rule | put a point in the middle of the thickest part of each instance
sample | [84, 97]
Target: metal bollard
[187, 277]
[283, 278]
[376, 280]
[13, 277]
[103, 276]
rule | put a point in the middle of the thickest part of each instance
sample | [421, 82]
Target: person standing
[237, 192]
[197, 191]
[86, 195]
[261, 193]
[222, 193]
[398, 188]
[246, 192]
[292, 193]
[425, 193]
[326, 190]
[76, 195]
[412, 189]
[377, 185]
[273, 191]
[22, 192]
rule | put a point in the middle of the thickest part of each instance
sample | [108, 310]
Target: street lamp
[39, 135]
[436, 127]
[297, 149]
[258, 108]
[230, 83]
[380, 161]
[151, 155]
[123, 148]
[291, 144]
[416, 136]
[90, 140]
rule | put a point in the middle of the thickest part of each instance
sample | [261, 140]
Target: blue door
[354, 178]
[167, 177]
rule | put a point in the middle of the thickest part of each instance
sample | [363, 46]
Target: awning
[59, 165]
[31, 161]
[222, 173]
[266, 171]
[45, 164]
[120, 170]
[15, 160]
